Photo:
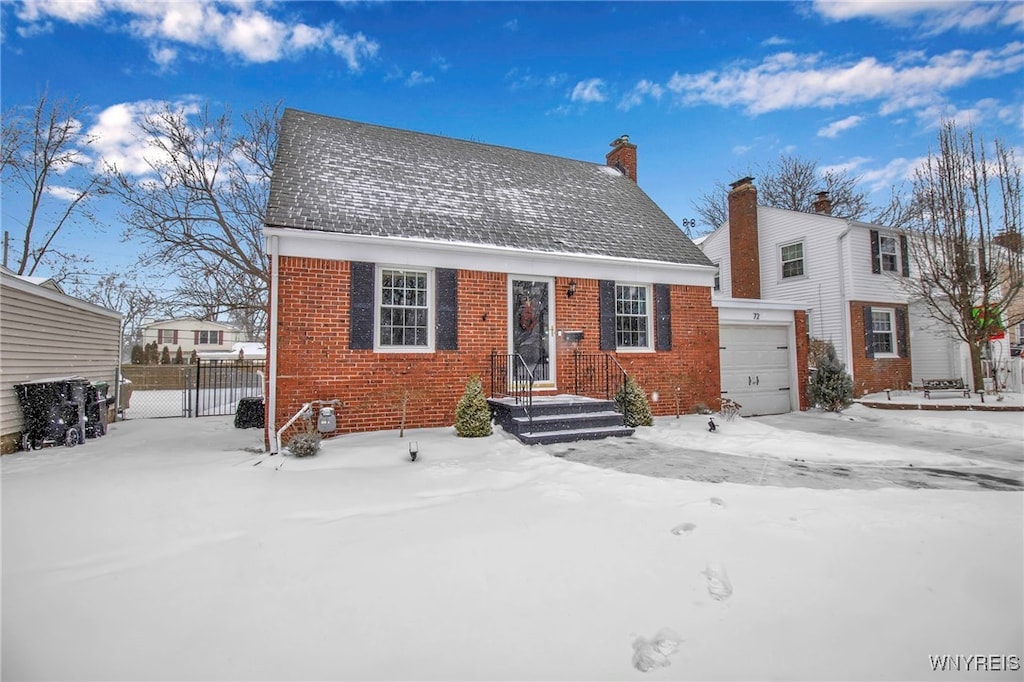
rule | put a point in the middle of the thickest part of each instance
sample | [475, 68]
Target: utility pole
[7, 244]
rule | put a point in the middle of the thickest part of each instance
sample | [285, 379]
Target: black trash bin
[54, 411]
[96, 409]
[249, 413]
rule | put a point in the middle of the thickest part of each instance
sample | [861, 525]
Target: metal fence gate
[215, 386]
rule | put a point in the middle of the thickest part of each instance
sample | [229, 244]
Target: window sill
[419, 350]
[630, 349]
[886, 356]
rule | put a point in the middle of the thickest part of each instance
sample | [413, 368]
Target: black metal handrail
[512, 378]
[598, 374]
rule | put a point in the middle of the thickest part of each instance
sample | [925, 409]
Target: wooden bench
[955, 385]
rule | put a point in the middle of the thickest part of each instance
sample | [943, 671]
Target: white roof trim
[483, 257]
[16, 282]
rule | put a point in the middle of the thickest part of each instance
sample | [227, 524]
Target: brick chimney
[746, 260]
[623, 157]
[823, 204]
[1009, 240]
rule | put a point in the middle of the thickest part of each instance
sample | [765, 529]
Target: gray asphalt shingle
[335, 175]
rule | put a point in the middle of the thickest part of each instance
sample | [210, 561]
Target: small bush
[632, 402]
[304, 444]
[831, 387]
[473, 414]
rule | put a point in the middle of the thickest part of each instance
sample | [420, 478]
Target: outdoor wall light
[414, 449]
[571, 291]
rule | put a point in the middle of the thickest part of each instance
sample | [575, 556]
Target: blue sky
[706, 90]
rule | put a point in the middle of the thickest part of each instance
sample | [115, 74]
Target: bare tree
[966, 238]
[40, 146]
[791, 183]
[201, 207]
[125, 293]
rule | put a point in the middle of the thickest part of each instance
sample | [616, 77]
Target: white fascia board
[484, 258]
[16, 282]
[755, 311]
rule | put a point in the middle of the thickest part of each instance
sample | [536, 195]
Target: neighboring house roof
[335, 175]
[47, 282]
[187, 320]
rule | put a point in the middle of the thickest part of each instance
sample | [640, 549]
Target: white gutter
[844, 317]
[272, 247]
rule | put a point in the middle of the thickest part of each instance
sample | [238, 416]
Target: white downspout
[273, 247]
[844, 316]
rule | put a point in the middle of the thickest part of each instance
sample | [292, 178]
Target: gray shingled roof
[334, 175]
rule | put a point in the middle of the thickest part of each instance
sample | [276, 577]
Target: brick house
[403, 263]
[847, 273]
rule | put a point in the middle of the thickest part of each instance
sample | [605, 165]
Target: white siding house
[848, 274]
[45, 333]
[190, 334]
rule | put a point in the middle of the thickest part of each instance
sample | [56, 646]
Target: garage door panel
[756, 369]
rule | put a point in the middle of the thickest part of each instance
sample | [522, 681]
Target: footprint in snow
[684, 528]
[719, 585]
[654, 653]
[718, 502]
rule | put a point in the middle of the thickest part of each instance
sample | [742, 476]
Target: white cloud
[238, 28]
[790, 81]
[354, 49]
[417, 78]
[63, 193]
[589, 90]
[893, 173]
[642, 89]
[512, 24]
[163, 56]
[73, 11]
[119, 141]
[832, 130]
[929, 16]
[775, 41]
[850, 166]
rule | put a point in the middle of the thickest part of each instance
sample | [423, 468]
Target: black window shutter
[869, 337]
[663, 311]
[901, 333]
[447, 322]
[606, 300]
[905, 254]
[361, 306]
[876, 260]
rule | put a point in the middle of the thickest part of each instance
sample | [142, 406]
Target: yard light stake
[414, 449]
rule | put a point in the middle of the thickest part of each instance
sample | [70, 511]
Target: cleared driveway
[642, 456]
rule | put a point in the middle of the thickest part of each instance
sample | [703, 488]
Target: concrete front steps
[559, 419]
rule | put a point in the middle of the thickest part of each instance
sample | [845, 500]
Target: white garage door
[756, 368]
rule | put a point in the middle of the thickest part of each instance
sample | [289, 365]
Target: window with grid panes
[404, 309]
[632, 316]
[793, 260]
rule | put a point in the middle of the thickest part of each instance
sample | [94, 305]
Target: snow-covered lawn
[161, 552]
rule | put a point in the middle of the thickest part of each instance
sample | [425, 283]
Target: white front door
[532, 325]
[756, 370]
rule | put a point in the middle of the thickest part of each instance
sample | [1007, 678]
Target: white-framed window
[792, 257]
[208, 337]
[633, 316]
[404, 315]
[883, 332]
[889, 253]
[718, 277]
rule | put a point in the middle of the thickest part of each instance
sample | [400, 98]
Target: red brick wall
[689, 372]
[743, 245]
[872, 375]
[802, 348]
[315, 362]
